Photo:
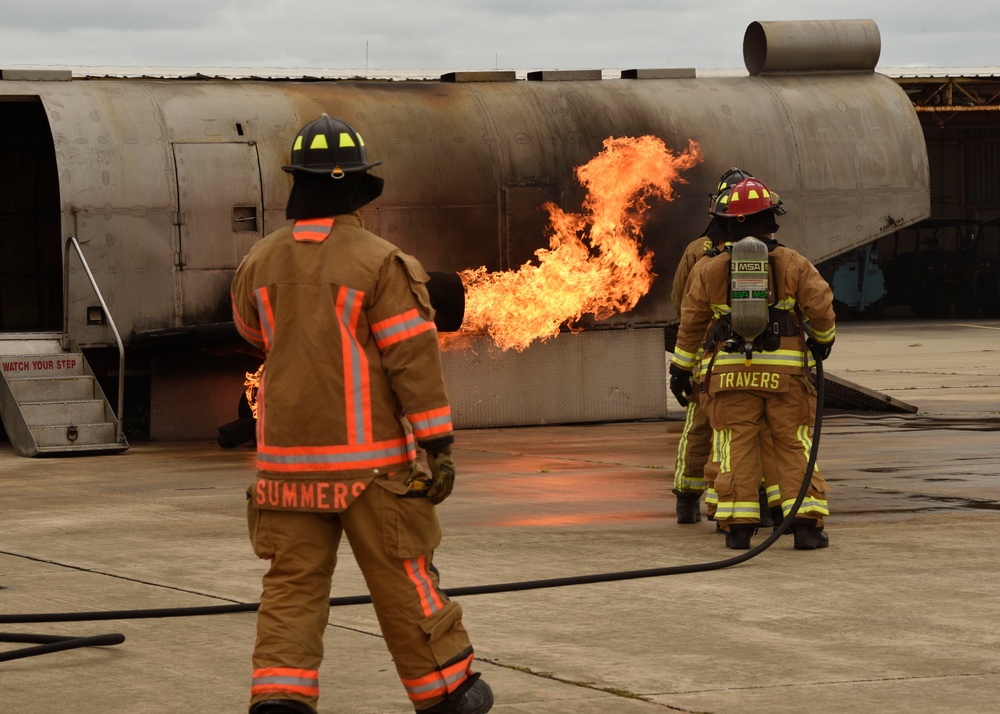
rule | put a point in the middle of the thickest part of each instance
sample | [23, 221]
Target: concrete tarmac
[899, 614]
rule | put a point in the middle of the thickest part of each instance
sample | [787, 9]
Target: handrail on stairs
[71, 241]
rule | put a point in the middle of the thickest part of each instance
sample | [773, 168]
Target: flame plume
[252, 384]
[593, 264]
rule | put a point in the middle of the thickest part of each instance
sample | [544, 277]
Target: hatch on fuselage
[30, 246]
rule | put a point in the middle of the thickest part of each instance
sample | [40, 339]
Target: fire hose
[52, 643]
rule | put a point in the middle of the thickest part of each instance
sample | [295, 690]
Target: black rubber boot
[766, 519]
[738, 536]
[473, 697]
[281, 706]
[688, 507]
[808, 536]
[778, 517]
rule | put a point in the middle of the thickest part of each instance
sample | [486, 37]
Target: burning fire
[252, 383]
[593, 264]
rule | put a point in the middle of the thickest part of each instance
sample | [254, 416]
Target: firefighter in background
[694, 473]
[352, 384]
[759, 382]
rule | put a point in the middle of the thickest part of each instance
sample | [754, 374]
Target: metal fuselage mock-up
[167, 183]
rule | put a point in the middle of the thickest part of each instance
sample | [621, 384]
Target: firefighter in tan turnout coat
[352, 384]
[694, 472]
[765, 386]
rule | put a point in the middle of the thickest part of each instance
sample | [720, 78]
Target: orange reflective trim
[391, 452]
[284, 689]
[312, 230]
[395, 320]
[249, 333]
[266, 315]
[439, 683]
[429, 691]
[285, 680]
[261, 408]
[457, 673]
[430, 598]
[357, 389]
[431, 422]
[357, 397]
[396, 329]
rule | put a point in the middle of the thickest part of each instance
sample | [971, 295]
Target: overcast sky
[466, 34]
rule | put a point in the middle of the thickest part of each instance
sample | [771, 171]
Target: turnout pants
[693, 450]
[393, 537]
[742, 419]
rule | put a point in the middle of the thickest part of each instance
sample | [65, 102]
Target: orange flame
[593, 264]
[252, 384]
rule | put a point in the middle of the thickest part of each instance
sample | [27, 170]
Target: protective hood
[716, 230]
[757, 224]
[321, 195]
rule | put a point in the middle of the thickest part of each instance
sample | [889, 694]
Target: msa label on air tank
[749, 280]
[749, 289]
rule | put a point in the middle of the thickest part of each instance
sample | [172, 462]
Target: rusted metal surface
[167, 183]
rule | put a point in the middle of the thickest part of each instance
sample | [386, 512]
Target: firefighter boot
[808, 536]
[766, 519]
[738, 535]
[281, 706]
[778, 517]
[474, 696]
[688, 508]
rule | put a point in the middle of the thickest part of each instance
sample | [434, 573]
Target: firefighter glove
[680, 384]
[442, 467]
[820, 351]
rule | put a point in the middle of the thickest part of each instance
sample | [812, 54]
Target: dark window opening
[30, 228]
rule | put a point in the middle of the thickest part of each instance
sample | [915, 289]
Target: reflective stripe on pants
[739, 417]
[393, 540]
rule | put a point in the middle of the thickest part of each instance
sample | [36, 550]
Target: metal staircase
[50, 401]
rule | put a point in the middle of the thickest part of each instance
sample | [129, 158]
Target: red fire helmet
[748, 197]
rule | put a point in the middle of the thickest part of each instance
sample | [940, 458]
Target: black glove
[680, 384]
[442, 467]
[820, 351]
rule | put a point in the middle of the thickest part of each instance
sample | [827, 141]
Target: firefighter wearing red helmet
[694, 471]
[753, 320]
[352, 384]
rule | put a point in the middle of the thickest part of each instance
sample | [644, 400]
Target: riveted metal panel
[467, 166]
[844, 151]
[214, 182]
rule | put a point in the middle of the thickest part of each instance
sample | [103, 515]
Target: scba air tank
[748, 291]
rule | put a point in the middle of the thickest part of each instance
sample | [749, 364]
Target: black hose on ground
[54, 643]
[67, 643]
